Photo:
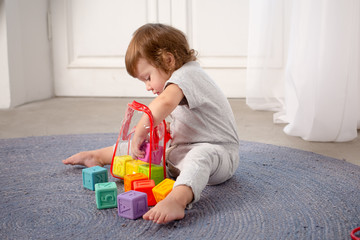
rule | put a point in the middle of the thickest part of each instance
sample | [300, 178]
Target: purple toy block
[132, 204]
[156, 154]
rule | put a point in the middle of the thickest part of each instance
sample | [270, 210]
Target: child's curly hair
[153, 41]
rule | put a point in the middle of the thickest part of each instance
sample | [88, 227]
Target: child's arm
[160, 108]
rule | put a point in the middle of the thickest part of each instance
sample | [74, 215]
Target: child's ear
[170, 61]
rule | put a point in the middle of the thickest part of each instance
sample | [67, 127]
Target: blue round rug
[276, 193]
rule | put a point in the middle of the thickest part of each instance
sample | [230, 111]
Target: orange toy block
[146, 186]
[161, 190]
[133, 166]
[131, 178]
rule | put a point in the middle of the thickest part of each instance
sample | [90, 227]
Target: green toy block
[157, 172]
[94, 175]
[106, 194]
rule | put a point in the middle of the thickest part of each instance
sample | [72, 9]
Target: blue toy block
[106, 194]
[132, 204]
[94, 175]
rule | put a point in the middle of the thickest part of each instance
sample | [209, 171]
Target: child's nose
[148, 87]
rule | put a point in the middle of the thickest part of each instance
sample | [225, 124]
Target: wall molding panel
[90, 38]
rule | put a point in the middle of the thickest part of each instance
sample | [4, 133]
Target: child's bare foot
[172, 207]
[87, 159]
[99, 157]
[165, 211]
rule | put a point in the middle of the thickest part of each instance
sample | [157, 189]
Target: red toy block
[131, 178]
[146, 186]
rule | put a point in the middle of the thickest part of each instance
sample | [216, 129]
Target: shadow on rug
[276, 193]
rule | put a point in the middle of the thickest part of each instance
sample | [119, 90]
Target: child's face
[154, 78]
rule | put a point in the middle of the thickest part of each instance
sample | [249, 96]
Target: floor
[101, 115]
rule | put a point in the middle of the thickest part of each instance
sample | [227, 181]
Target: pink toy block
[132, 204]
[156, 154]
[146, 186]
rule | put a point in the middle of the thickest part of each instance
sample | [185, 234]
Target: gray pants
[200, 164]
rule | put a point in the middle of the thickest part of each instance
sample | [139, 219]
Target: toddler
[205, 145]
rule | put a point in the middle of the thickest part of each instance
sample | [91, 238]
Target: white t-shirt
[206, 115]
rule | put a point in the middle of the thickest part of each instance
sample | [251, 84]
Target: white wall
[25, 62]
[26, 69]
[90, 38]
[4, 69]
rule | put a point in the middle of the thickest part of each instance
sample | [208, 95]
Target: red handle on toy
[141, 107]
[154, 136]
[353, 234]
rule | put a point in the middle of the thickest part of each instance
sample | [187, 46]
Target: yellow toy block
[119, 165]
[131, 178]
[133, 166]
[161, 190]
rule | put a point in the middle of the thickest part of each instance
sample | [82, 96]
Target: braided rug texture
[276, 193]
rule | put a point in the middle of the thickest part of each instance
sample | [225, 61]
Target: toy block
[131, 178]
[105, 194]
[132, 204]
[119, 165]
[161, 190]
[146, 186]
[133, 166]
[94, 175]
[157, 172]
[156, 154]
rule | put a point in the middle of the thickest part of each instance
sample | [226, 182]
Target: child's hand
[140, 136]
[136, 151]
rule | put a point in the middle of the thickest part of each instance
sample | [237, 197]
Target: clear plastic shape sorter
[153, 164]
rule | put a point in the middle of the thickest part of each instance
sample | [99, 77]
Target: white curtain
[304, 63]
